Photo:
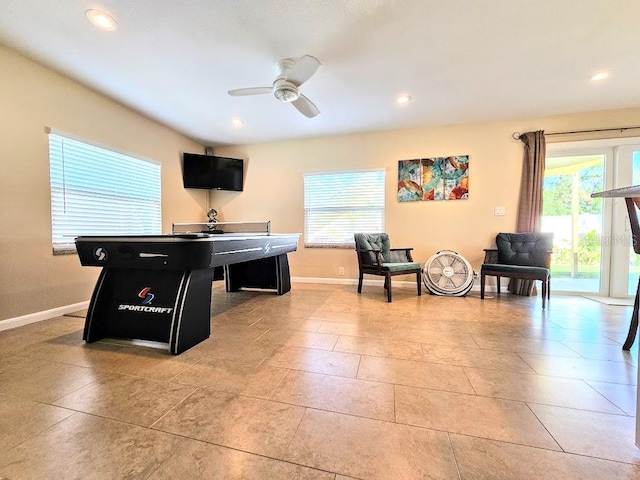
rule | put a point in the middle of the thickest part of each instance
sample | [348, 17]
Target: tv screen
[212, 173]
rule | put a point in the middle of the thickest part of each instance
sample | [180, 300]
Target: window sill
[321, 245]
[68, 250]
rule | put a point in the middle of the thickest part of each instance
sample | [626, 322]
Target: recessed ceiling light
[403, 99]
[597, 77]
[102, 20]
[237, 122]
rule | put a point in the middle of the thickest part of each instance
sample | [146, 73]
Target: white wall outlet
[341, 271]
[499, 211]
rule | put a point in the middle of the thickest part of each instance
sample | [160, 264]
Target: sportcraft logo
[145, 306]
[100, 254]
[146, 295]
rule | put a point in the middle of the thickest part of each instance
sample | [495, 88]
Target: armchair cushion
[506, 270]
[403, 266]
[374, 242]
[524, 249]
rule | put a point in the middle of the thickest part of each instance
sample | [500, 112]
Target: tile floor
[323, 383]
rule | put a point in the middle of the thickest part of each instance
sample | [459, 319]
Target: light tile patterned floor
[323, 383]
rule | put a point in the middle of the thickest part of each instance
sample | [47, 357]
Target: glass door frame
[615, 223]
[621, 236]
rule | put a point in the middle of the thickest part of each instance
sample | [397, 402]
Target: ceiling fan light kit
[290, 74]
[285, 91]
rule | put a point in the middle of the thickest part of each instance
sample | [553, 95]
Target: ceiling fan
[291, 73]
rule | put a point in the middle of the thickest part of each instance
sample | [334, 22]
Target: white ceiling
[461, 60]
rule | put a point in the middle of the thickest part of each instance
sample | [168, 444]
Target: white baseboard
[348, 281]
[396, 283]
[330, 281]
[39, 316]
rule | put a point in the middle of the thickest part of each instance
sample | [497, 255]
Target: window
[99, 192]
[339, 204]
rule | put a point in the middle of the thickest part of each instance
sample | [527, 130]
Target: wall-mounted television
[211, 172]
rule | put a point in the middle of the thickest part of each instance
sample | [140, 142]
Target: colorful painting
[439, 178]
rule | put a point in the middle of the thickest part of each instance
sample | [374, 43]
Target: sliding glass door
[575, 219]
[592, 239]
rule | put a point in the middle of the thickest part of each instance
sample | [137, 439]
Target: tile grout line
[455, 458]
[545, 427]
[152, 425]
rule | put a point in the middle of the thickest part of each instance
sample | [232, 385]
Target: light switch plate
[499, 211]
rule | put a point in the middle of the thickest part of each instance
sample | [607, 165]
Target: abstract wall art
[438, 178]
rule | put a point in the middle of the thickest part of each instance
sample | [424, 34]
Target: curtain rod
[516, 135]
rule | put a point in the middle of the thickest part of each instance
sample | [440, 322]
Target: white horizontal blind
[99, 192]
[339, 204]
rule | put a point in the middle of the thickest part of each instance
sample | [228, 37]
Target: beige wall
[274, 185]
[32, 97]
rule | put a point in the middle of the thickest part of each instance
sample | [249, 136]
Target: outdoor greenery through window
[575, 218]
[339, 204]
[95, 191]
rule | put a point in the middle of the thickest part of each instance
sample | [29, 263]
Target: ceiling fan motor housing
[285, 91]
[448, 273]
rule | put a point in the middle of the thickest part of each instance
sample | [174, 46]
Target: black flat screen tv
[212, 173]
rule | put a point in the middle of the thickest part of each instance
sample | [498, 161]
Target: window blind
[95, 191]
[339, 204]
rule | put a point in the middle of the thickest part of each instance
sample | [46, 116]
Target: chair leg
[482, 280]
[548, 288]
[388, 282]
[544, 293]
[498, 285]
[419, 279]
[360, 282]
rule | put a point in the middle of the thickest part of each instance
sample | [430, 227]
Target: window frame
[380, 207]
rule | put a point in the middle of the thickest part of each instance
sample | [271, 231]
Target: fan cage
[448, 273]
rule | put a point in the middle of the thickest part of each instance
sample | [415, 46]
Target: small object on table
[212, 216]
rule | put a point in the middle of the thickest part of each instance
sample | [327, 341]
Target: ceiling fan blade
[240, 92]
[303, 70]
[305, 106]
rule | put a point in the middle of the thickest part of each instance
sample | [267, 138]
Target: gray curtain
[530, 204]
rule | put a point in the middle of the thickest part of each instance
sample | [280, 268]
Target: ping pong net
[259, 228]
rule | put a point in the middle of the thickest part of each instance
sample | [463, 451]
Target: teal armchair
[376, 257]
[520, 256]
